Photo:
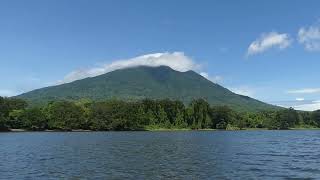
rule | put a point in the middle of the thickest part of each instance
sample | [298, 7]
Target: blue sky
[269, 50]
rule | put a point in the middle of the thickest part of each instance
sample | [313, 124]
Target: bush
[221, 125]
[3, 126]
[232, 128]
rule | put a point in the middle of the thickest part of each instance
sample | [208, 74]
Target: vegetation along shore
[147, 114]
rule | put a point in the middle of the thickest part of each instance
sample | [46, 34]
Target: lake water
[160, 155]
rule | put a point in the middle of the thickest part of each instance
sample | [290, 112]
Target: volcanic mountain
[146, 82]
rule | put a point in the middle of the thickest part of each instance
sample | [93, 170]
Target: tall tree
[34, 119]
[200, 111]
[65, 115]
[316, 117]
[3, 123]
[221, 116]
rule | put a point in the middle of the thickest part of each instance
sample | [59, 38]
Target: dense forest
[144, 115]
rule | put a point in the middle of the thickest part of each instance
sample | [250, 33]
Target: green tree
[15, 119]
[162, 118]
[316, 117]
[240, 121]
[100, 116]
[9, 104]
[3, 123]
[117, 115]
[150, 118]
[65, 115]
[179, 121]
[284, 119]
[306, 118]
[200, 110]
[221, 116]
[34, 119]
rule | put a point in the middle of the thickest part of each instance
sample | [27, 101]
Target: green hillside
[146, 82]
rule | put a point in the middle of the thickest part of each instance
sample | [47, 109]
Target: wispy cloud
[310, 37]
[7, 93]
[215, 79]
[243, 90]
[267, 41]
[314, 105]
[304, 91]
[300, 104]
[299, 99]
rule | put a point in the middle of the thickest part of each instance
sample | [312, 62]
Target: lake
[160, 155]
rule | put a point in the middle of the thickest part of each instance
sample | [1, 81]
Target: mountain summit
[146, 82]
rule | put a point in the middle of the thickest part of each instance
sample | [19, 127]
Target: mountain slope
[146, 82]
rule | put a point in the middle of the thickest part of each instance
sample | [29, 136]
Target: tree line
[142, 115]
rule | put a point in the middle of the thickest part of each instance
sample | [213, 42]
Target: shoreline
[47, 130]
[159, 130]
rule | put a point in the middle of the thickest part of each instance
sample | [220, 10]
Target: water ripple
[161, 155]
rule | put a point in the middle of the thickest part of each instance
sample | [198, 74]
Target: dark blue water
[160, 155]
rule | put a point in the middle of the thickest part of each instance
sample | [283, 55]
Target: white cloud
[267, 41]
[310, 37]
[299, 99]
[7, 93]
[304, 91]
[176, 60]
[243, 90]
[300, 104]
[314, 105]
